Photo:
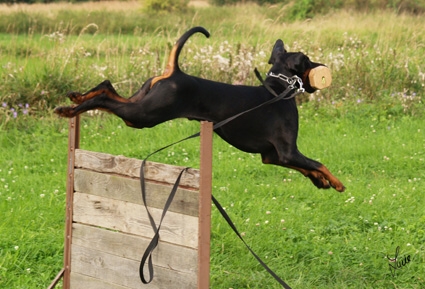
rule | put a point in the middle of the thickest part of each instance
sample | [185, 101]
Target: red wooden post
[204, 225]
[73, 144]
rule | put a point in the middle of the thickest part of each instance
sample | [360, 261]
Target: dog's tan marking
[78, 98]
[169, 69]
[335, 183]
[323, 175]
[305, 75]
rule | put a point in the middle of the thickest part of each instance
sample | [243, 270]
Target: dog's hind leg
[99, 97]
[101, 101]
[103, 88]
[103, 97]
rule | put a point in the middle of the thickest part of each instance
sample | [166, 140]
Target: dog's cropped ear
[277, 49]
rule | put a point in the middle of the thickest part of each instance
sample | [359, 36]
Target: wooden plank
[158, 172]
[125, 272]
[132, 247]
[128, 189]
[79, 281]
[132, 218]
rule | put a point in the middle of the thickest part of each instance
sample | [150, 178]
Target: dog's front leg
[315, 171]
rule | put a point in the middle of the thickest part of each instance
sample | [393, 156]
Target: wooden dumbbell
[320, 77]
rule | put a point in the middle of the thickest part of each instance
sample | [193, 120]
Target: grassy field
[368, 128]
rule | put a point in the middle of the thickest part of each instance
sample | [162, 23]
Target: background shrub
[165, 5]
[304, 9]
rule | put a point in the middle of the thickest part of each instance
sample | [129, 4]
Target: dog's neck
[279, 82]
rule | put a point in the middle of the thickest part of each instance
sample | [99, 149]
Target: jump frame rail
[204, 205]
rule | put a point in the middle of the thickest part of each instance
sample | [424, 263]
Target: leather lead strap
[154, 242]
[258, 75]
[284, 94]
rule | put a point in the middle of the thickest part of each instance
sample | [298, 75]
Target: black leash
[154, 242]
[229, 221]
[147, 256]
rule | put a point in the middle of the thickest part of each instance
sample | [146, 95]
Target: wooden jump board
[111, 230]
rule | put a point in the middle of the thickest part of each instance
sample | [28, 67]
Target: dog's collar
[292, 81]
[286, 94]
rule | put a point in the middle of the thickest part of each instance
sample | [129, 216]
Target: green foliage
[156, 6]
[235, 2]
[399, 6]
[305, 9]
[224, 2]
[37, 1]
[301, 10]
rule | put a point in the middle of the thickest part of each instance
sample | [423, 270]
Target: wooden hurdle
[107, 228]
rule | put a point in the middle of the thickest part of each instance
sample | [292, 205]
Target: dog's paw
[65, 111]
[318, 180]
[339, 187]
[75, 97]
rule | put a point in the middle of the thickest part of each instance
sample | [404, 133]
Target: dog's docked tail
[173, 58]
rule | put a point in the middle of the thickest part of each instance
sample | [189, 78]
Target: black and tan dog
[271, 130]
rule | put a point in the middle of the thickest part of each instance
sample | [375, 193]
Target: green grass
[312, 238]
[368, 129]
[31, 203]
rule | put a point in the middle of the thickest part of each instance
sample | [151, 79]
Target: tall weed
[375, 58]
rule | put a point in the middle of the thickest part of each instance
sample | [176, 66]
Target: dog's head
[314, 75]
